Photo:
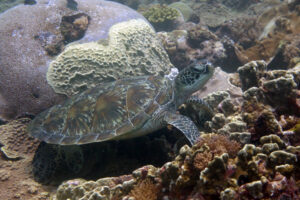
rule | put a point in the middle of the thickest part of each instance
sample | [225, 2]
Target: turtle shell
[105, 112]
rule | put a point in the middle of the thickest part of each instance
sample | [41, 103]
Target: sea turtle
[123, 109]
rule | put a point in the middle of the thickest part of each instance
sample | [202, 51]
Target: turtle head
[191, 79]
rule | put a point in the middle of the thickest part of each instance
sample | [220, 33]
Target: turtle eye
[202, 67]
[199, 69]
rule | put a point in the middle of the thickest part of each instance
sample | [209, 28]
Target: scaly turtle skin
[123, 109]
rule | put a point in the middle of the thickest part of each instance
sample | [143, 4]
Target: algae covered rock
[33, 34]
[131, 50]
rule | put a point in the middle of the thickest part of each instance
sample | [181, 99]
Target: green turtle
[123, 109]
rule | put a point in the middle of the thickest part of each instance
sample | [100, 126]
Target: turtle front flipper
[198, 110]
[201, 105]
[184, 124]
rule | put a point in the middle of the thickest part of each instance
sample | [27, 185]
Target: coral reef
[278, 39]
[15, 143]
[16, 153]
[261, 163]
[213, 15]
[132, 3]
[277, 87]
[154, 180]
[199, 34]
[175, 43]
[239, 4]
[248, 149]
[162, 17]
[82, 66]
[251, 73]
[53, 164]
[32, 33]
[196, 43]
[244, 31]
[187, 12]
[107, 188]
[287, 54]
[250, 138]
[6, 4]
[220, 81]
[230, 39]
[145, 190]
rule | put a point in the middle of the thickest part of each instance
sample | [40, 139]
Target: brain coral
[27, 31]
[131, 50]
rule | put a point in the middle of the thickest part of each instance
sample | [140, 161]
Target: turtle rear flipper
[184, 124]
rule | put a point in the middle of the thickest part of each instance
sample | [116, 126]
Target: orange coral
[219, 144]
[201, 160]
[145, 190]
[211, 145]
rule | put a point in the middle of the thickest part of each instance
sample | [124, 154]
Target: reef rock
[33, 34]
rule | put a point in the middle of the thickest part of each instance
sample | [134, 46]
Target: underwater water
[146, 100]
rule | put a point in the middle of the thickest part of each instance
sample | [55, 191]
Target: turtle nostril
[35, 95]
